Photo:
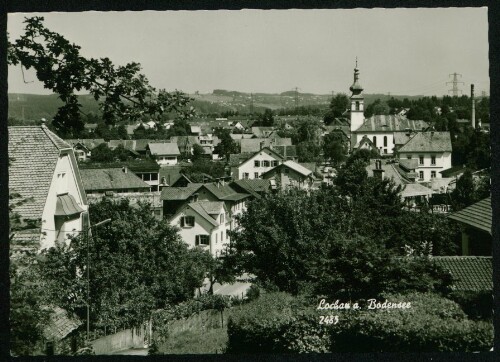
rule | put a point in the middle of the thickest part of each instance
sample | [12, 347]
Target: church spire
[356, 88]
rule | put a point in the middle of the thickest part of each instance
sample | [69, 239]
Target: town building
[204, 224]
[108, 181]
[83, 147]
[46, 188]
[165, 153]
[252, 167]
[433, 152]
[289, 174]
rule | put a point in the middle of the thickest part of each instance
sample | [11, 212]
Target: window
[375, 141]
[147, 177]
[154, 177]
[222, 235]
[256, 175]
[433, 160]
[245, 175]
[265, 163]
[420, 160]
[385, 151]
[202, 240]
[221, 218]
[62, 183]
[187, 221]
[385, 141]
[216, 238]
[357, 105]
[408, 157]
[433, 174]
[421, 175]
[274, 163]
[286, 170]
[256, 163]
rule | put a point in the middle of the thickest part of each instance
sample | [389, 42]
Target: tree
[463, 194]
[267, 118]
[338, 105]
[351, 177]
[198, 153]
[334, 148]
[376, 108]
[226, 146]
[102, 153]
[131, 270]
[123, 92]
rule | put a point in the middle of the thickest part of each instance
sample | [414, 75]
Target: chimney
[261, 144]
[378, 172]
[124, 169]
[473, 106]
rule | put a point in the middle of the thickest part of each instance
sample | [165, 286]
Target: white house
[204, 224]
[257, 164]
[164, 153]
[44, 173]
[433, 152]
[289, 174]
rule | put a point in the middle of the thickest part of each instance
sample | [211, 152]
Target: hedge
[280, 323]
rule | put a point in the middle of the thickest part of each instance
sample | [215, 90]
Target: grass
[209, 341]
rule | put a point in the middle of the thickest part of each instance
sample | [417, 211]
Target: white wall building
[164, 153]
[259, 163]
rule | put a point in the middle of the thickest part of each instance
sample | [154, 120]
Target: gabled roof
[390, 123]
[415, 189]
[453, 171]
[164, 148]
[224, 192]
[236, 159]
[109, 179]
[137, 166]
[33, 155]
[179, 193]
[391, 171]
[252, 186]
[428, 142]
[408, 164]
[297, 168]
[470, 273]
[171, 174]
[477, 215]
[262, 132]
[89, 143]
[400, 138]
[60, 324]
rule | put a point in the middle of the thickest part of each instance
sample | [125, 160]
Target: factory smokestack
[473, 106]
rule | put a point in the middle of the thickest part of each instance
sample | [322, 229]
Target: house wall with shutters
[248, 168]
[62, 230]
[442, 162]
[203, 227]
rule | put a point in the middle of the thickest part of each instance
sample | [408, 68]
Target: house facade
[165, 153]
[204, 224]
[257, 164]
[43, 172]
[289, 174]
[433, 152]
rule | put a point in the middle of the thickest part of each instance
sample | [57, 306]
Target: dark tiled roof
[453, 171]
[236, 159]
[179, 193]
[477, 215]
[428, 142]
[471, 273]
[408, 164]
[400, 138]
[33, 154]
[171, 174]
[102, 179]
[146, 165]
[164, 148]
[60, 324]
[390, 123]
[257, 185]
[224, 192]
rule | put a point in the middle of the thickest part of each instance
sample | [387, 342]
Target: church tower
[357, 101]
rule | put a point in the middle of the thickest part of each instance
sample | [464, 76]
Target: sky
[399, 51]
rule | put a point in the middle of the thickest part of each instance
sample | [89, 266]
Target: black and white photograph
[249, 182]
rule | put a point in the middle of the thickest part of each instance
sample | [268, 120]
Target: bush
[477, 305]
[276, 323]
[432, 324]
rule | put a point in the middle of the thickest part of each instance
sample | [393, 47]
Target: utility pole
[296, 98]
[455, 83]
[251, 103]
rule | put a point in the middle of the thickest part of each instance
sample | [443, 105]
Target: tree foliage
[123, 92]
[226, 146]
[131, 270]
[338, 105]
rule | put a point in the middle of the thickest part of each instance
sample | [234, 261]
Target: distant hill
[35, 107]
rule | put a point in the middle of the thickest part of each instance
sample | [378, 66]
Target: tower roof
[356, 88]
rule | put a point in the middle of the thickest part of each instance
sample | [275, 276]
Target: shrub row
[278, 322]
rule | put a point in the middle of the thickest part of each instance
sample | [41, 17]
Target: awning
[67, 206]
